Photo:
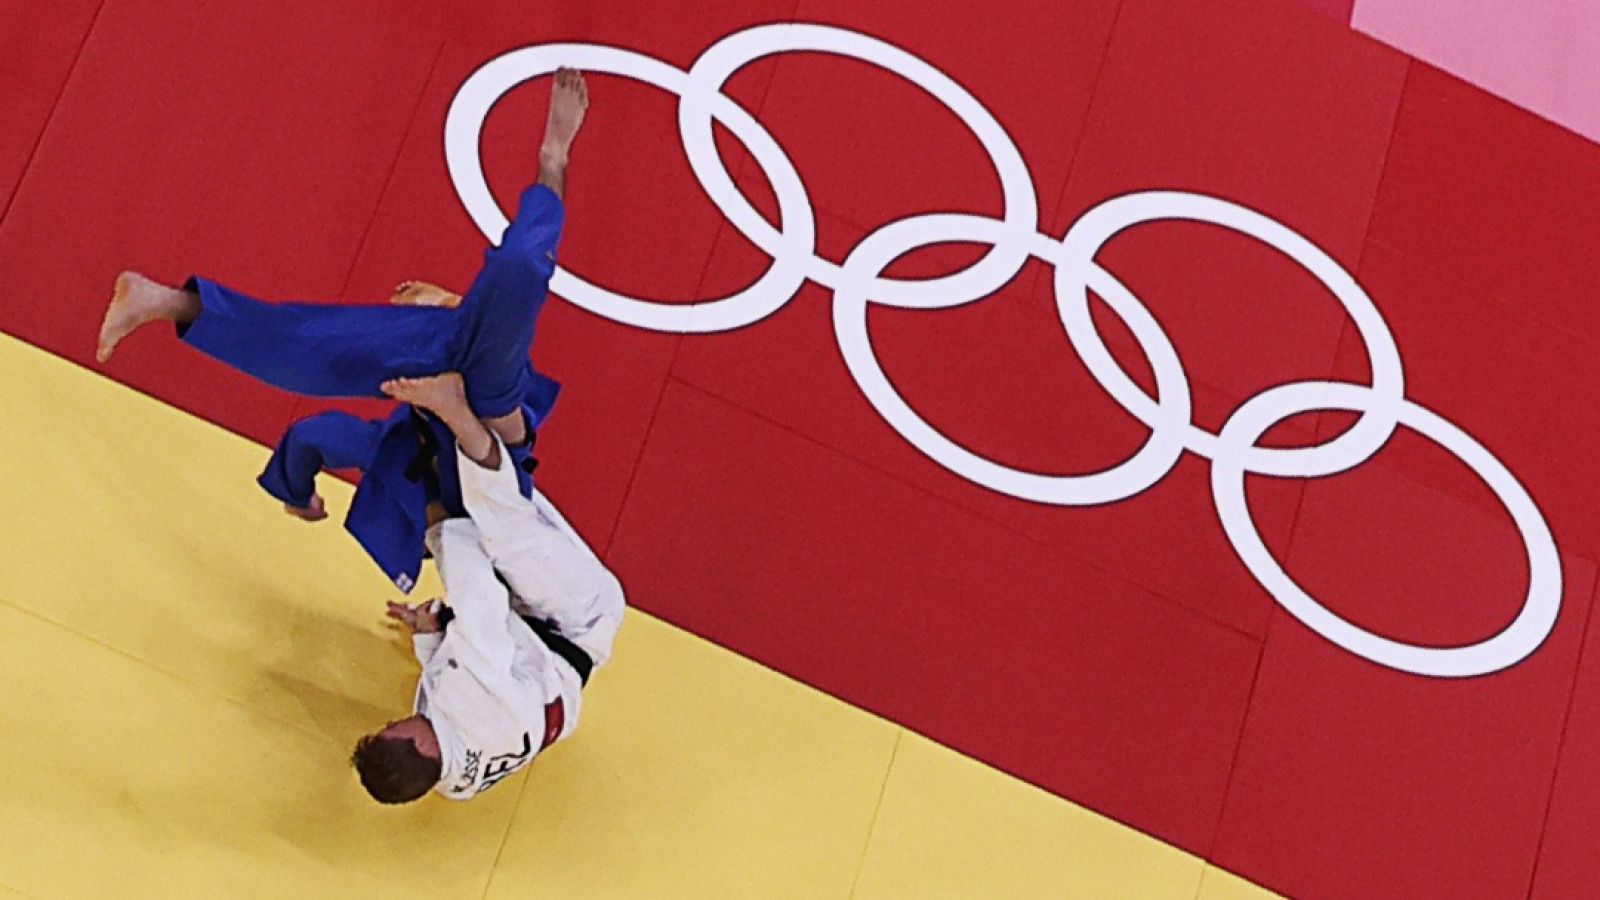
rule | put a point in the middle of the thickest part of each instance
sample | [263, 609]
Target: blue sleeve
[531, 238]
[332, 440]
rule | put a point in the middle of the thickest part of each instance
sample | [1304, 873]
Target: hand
[421, 293]
[421, 619]
[435, 511]
[315, 511]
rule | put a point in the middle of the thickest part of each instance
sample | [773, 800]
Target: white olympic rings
[859, 282]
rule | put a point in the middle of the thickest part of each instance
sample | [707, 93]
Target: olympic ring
[859, 283]
[1524, 635]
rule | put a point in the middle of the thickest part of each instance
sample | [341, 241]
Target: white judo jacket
[494, 693]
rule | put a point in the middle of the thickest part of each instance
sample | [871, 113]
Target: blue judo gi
[347, 351]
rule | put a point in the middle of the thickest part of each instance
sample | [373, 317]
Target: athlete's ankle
[552, 157]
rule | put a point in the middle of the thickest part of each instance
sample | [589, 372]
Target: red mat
[1119, 654]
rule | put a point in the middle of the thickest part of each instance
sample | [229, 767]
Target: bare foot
[569, 100]
[421, 293]
[442, 395]
[315, 511]
[135, 301]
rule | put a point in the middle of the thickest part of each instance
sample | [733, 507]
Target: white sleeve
[541, 557]
[481, 603]
[494, 499]
[425, 644]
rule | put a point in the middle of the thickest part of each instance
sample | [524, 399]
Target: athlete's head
[401, 763]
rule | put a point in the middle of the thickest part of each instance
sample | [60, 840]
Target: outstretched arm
[481, 604]
[331, 440]
[446, 397]
[422, 621]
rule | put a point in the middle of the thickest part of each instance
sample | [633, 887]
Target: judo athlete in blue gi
[321, 350]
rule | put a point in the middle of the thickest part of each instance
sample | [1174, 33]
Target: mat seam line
[1255, 680]
[672, 361]
[649, 430]
[1072, 158]
[55, 107]
[1209, 856]
[1561, 742]
[1056, 793]
[394, 166]
[511, 821]
[1088, 111]
[877, 810]
[141, 393]
[302, 403]
[1299, 505]
[202, 686]
[1495, 296]
[1036, 542]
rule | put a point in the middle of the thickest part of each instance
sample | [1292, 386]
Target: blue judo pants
[321, 350]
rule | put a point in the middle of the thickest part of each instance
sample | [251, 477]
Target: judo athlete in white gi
[528, 612]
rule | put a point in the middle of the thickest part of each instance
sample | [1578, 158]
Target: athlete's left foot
[421, 293]
[442, 395]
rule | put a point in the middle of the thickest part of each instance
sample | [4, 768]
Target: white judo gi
[495, 694]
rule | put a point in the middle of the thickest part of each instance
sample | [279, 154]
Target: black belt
[560, 646]
[423, 465]
[547, 633]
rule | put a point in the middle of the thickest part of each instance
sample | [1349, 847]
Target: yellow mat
[187, 669]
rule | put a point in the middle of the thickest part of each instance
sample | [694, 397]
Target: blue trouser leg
[321, 350]
[500, 311]
[324, 350]
[331, 440]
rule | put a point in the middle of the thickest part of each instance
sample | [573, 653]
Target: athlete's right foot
[135, 301]
[569, 100]
[315, 511]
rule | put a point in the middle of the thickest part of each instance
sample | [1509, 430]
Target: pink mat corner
[1544, 56]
